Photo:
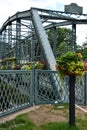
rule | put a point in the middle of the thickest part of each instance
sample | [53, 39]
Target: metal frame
[21, 89]
[19, 36]
[20, 27]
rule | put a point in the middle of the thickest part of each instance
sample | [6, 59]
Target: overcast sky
[10, 7]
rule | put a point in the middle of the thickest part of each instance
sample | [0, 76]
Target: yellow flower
[79, 55]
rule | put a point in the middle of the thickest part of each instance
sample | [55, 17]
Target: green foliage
[84, 53]
[63, 47]
[63, 39]
[19, 123]
[83, 49]
[70, 63]
[23, 122]
[36, 65]
[59, 126]
[82, 123]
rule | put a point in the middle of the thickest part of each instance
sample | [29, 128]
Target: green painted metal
[46, 48]
[18, 32]
[73, 45]
[21, 89]
[14, 91]
[85, 90]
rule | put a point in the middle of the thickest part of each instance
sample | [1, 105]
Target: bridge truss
[24, 35]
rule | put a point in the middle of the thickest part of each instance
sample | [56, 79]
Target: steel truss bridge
[24, 35]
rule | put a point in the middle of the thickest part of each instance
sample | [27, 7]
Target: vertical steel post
[85, 89]
[10, 34]
[4, 36]
[32, 87]
[10, 39]
[33, 40]
[73, 37]
[18, 35]
[1, 46]
[4, 43]
[72, 100]
[55, 40]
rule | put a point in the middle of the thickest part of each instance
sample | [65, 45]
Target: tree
[63, 39]
[84, 50]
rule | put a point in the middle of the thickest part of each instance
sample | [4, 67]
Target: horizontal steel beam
[65, 23]
[18, 15]
[47, 14]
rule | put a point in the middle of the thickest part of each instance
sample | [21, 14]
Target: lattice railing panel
[20, 89]
[14, 90]
[79, 90]
[46, 90]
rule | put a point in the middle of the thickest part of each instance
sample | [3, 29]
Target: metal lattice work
[46, 92]
[24, 40]
[14, 90]
[21, 89]
[24, 36]
[79, 91]
[45, 89]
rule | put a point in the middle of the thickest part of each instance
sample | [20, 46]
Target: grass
[19, 123]
[58, 126]
[23, 122]
[82, 123]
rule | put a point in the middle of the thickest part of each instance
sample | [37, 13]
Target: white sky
[10, 7]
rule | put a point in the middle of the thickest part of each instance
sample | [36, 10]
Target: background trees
[63, 41]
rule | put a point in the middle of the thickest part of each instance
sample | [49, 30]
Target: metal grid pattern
[21, 89]
[46, 91]
[17, 32]
[14, 90]
[79, 91]
[80, 87]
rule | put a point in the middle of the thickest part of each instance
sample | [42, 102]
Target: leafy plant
[36, 65]
[70, 63]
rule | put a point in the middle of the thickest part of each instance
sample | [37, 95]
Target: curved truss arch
[22, 30]
[24, 37]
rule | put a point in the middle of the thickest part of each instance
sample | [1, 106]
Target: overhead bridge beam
[19, 15]
[64, 23]
[45, 45]
[46, 14]
[46, 49]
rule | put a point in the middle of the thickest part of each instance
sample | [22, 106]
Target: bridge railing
[21, 89]
[15, 88]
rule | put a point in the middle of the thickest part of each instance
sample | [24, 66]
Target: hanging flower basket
[70, 63]
[37, 65]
